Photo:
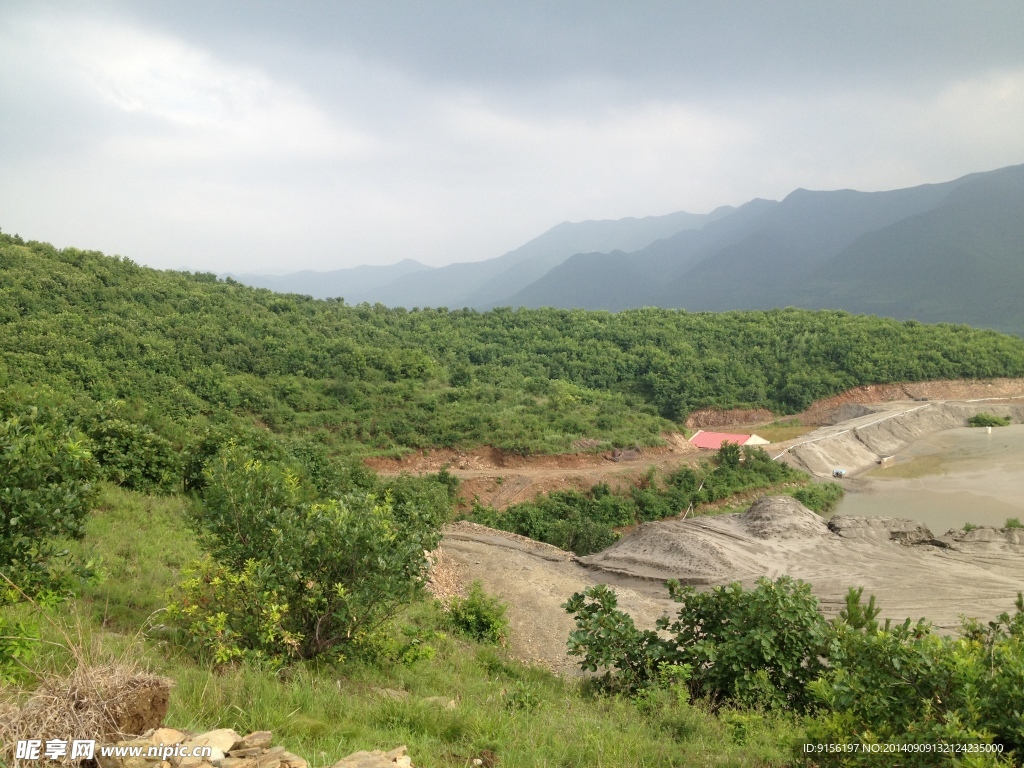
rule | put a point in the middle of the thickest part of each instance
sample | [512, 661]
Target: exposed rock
[376, 759]
[222, 740]
[630, 454]
[167, 736]
[847, 412]
[881, 528]
[232, 751]
[256, 740]
[988, 534]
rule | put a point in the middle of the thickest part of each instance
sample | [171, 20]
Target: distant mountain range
[480, 283]
[951, 252]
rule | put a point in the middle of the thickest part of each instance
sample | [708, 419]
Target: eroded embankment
[823, 412]
[883, 430]
[534, 580]
[912, 572]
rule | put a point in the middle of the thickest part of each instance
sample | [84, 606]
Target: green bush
[132, 454]
[584, 522]
[988, 420]
[47, 487]
[479, 616]
[820, 497]
[233, 615]
[1013, 522]
[855, 680]
[335, 569]
[758, 647]
[905, 684]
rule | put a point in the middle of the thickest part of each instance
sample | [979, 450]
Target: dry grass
[87, 690]
[106, 703]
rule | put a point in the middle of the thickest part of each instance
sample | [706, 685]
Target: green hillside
[282, 589]
[183, 349]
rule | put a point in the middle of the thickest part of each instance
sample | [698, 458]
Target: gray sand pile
[913, 572]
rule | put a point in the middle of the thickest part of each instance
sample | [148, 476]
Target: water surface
[948, 478]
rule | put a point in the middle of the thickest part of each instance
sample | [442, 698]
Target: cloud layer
[327, 138]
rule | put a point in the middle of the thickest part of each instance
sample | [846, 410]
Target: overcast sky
[255, 136]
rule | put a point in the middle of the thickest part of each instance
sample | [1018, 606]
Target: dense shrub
[334, 569]
[857, 681]
[585, 522]
[758, 647]
[47, 486]
[904, 684]
[988, 420]
[377, 378]
[820, 497]
[132, 454]
[479, 616]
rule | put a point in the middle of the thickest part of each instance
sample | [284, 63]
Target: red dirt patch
[500, 479]
[716, 417]
[488, 458]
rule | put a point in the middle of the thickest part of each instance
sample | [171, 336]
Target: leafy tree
[758, 647]
[293, 575]
[374, 379]
[47, 487]
[728, 455]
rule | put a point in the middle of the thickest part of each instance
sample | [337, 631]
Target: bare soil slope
[883, 430]
[912, 572]
[534, 580]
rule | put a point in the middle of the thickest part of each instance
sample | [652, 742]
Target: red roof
[714, 440]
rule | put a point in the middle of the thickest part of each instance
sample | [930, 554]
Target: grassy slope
[525, 716]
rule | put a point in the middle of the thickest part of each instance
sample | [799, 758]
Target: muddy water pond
[947, 479]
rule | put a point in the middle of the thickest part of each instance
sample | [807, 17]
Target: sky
[272, 137]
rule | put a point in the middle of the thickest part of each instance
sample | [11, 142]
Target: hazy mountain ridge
[951, 252]
[482, 283]
[355, 284]
[948, 252]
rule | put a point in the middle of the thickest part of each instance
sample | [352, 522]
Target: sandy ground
[883, 430]
[534, 580]
[913, 573]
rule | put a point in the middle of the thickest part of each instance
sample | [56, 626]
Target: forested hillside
[185, 351]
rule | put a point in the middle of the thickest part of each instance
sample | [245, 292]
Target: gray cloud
[277, 136]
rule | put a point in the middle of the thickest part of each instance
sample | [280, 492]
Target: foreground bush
[858, 681]
[292, 575]
[47, 486]
[479, 616]
[756, 647]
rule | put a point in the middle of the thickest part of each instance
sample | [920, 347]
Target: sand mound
[781, 517]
